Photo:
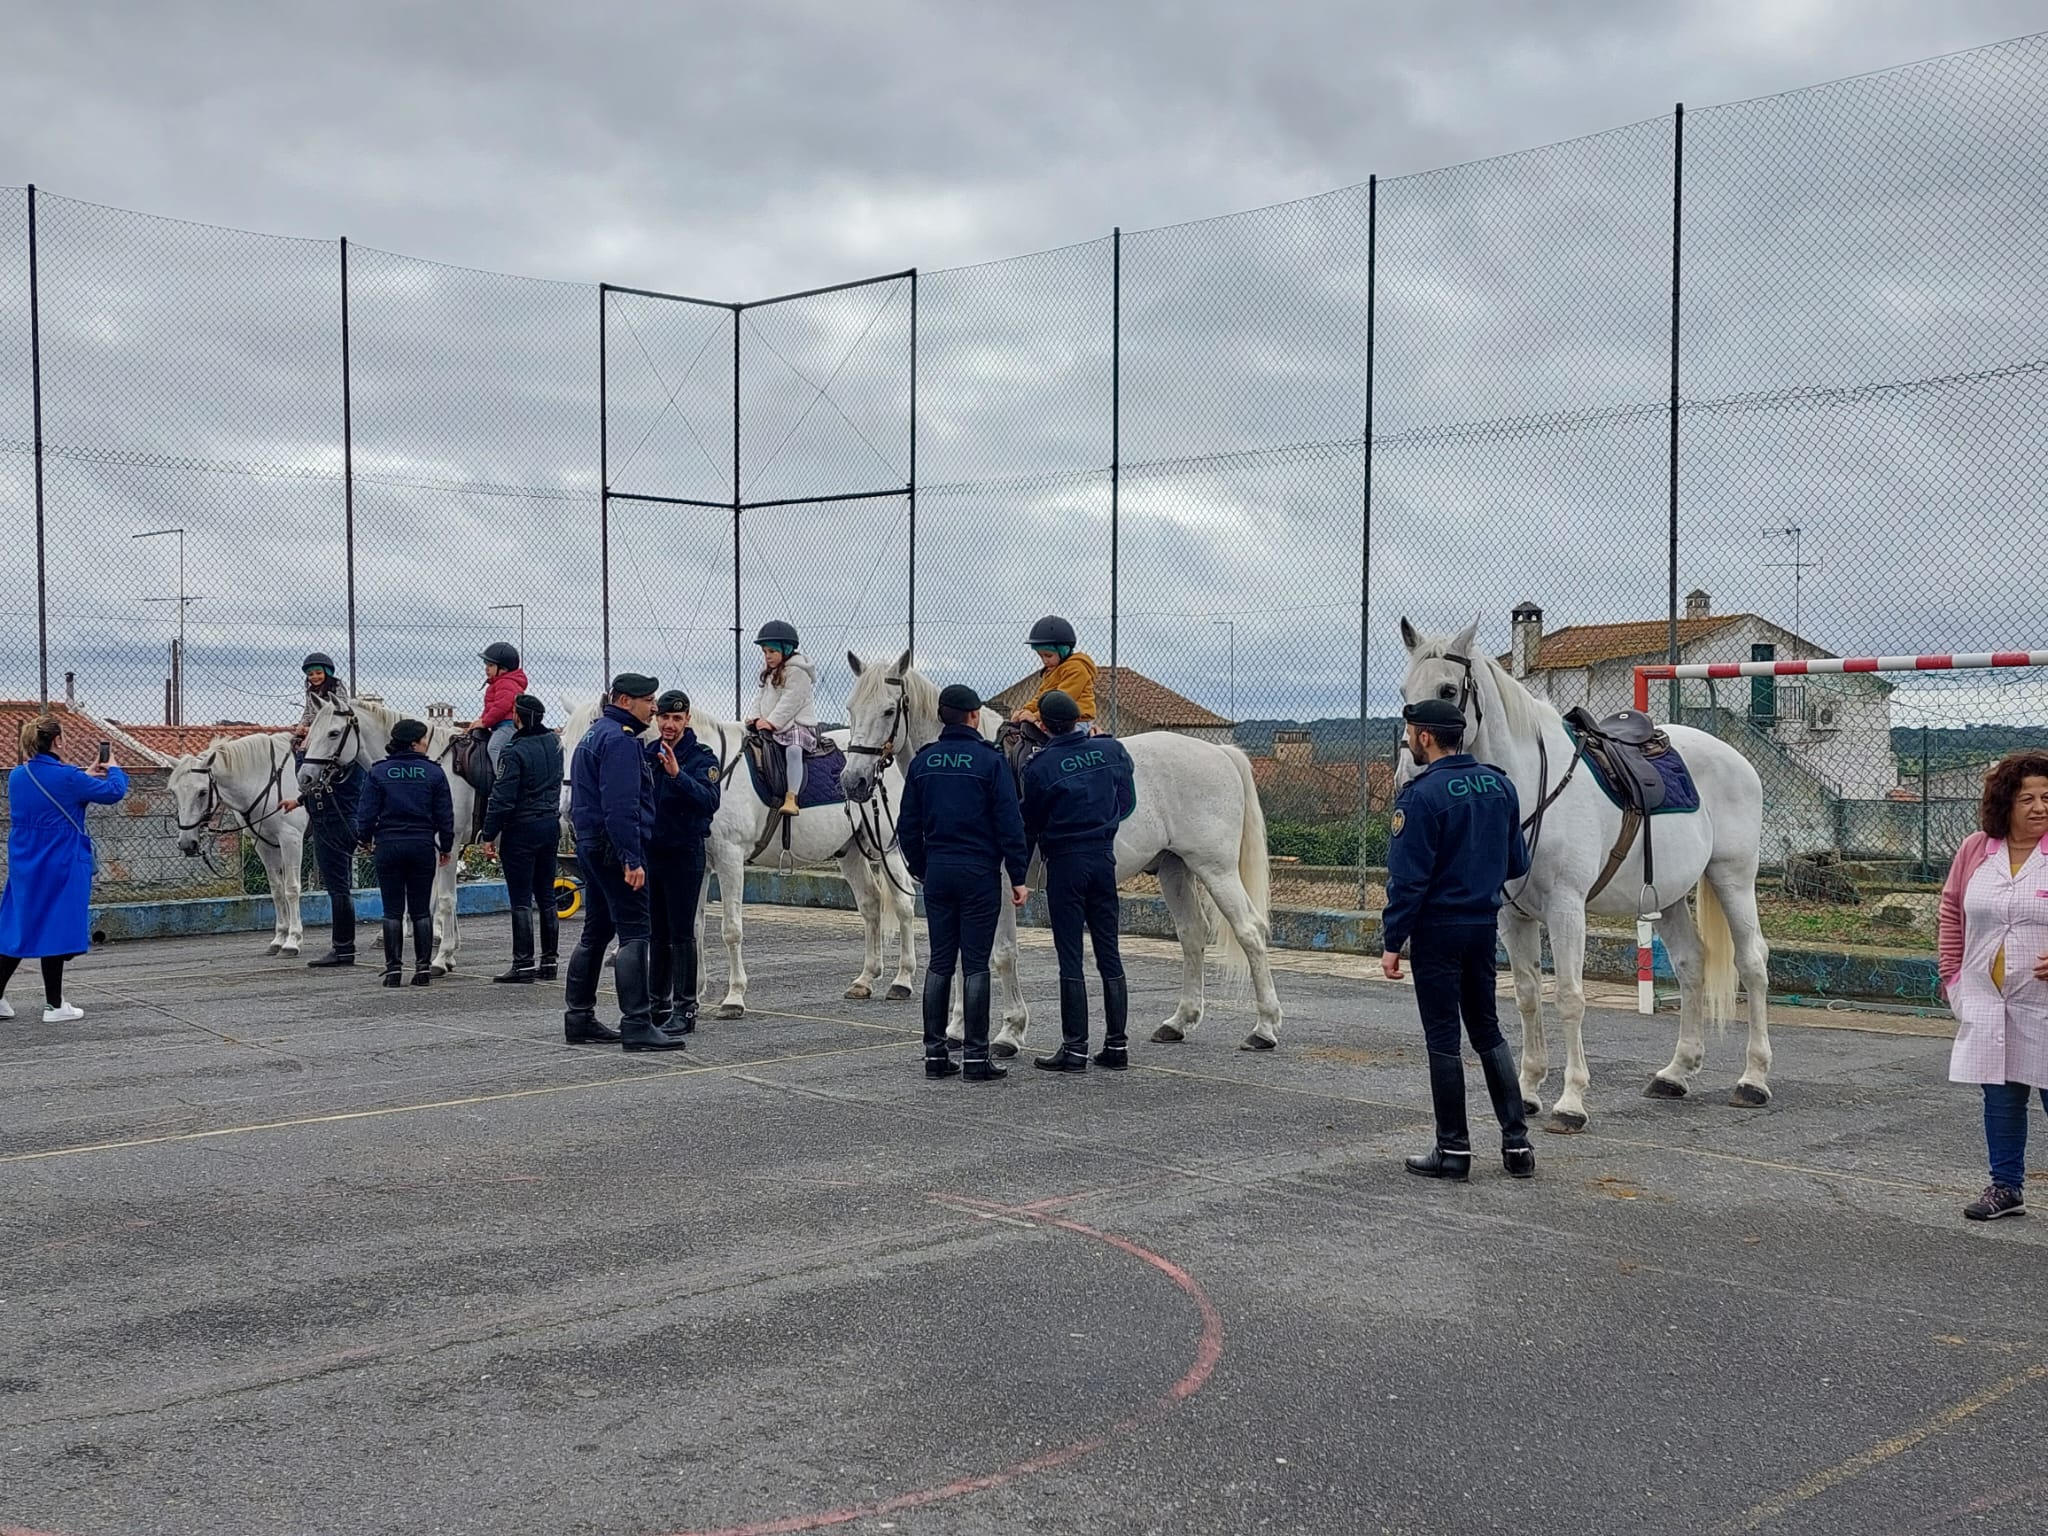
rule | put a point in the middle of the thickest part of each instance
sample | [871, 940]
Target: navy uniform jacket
[528, 786]
[1077, 791]
[611, 790]
[406, 796]
[960, 808]
[685, 804]
[1457, 838]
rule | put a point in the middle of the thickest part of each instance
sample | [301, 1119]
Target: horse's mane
[236, 753]
[920, 692]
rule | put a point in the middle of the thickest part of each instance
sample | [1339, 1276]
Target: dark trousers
[2006, 1106]
[612, 910]
[53, 982]
[961, 905]
[333, 818]
[1080, 893]
[1455, 977]
[527, 851]
[405, 873]
[675, 881]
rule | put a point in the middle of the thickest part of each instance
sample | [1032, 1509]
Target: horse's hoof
[1257, 1043]
[1531, 1107]
[1664, 1088]
[275, 949]
[899, 994]
[1563, 1122]
[731, 1011]
[1002, 1050]
[858, 993]
[1749, 1096]
[1167, 1034]
[438, 969]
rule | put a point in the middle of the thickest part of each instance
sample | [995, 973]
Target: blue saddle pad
[821, 781]
[1680, 793]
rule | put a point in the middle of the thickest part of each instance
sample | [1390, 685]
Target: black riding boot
[394, 951]
[1451, 1158]
[683, 969]
[579, 1015]
[550, 934]
[974, 999]
[422, 950]
[342, 948]
[661, 982]
[1505, 1089]
[1116, 1016]
[636, 1018]
[522, 948]
[938, 998]
[1072, 1056]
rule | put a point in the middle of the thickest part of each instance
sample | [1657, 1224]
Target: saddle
[471, 758]
[1622, 749]
[824, 769]
[1020, 741]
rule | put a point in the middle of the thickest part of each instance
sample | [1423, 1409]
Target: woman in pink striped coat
[1994, 968]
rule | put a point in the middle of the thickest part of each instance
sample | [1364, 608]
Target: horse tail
[1719, 945]
[1254, 872]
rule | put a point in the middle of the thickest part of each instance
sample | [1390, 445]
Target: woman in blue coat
[49, 863]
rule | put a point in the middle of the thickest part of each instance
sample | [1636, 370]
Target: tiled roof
[78, 746]
[1587, 645]
[1328, 788]
[1153, 703]
[168, 743]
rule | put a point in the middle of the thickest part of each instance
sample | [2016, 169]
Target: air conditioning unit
[1822, 717]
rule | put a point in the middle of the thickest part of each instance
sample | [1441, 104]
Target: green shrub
[1332, 843]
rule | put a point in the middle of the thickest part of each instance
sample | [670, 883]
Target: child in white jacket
[784, 708]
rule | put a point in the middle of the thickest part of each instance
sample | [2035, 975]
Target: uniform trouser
[1455, 977]
[675, 881]
[1080, 893]
[961, 906]
[405, 873]
[527, 850]
[613, 910]
[333, 817]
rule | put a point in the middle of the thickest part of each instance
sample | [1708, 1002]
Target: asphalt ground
[281, 1251]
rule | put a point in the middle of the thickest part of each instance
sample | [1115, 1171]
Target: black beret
[960, 697]
[530, 707]
[674, 702]
[1432, 714]
[635, 685]
[1058, 708]
[407, 732]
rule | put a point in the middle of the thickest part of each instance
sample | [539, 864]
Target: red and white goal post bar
[1646, 997]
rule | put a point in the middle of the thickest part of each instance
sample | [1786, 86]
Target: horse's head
[193, 800]
[1439, 667]
[333, 741]
[877, 721]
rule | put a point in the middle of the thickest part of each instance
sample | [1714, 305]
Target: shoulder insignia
[1396, 823]
[711, 774]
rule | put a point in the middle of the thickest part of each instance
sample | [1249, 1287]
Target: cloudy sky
[742, 150]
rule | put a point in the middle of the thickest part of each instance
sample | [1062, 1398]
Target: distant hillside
[1332, 740]
[1964, 746]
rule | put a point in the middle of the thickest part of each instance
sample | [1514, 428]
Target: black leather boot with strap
[579, 1017]
[422, 951]
[1116, 1018]
[1072, 1056]
[394, 952]
[1504, 1087]
[975, 1067]
[523, 969]
[1451, 1157]
[938, 997]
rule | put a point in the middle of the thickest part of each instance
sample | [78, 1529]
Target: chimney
[71, 690]
[1527, 639]
[1292, 746]
[1698, 605]
[441, 714]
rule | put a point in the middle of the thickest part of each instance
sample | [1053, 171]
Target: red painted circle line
[1208, 1350]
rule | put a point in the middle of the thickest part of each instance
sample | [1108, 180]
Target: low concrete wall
[1797, 970]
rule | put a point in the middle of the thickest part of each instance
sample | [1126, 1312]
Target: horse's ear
[1462, 644]
[903, 665]
[1408, 636]
[853, 661]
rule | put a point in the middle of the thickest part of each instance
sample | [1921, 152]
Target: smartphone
[106, 752]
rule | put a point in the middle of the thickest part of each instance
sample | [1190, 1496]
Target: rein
[248, 813]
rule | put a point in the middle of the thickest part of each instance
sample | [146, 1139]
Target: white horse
[244, 785]
[1714, 849]
[1198, 827]
[860, 838]
[360, 733]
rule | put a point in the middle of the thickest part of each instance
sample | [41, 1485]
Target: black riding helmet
[501, 654]
[779, 633]
[320, 660]
[1053, 633]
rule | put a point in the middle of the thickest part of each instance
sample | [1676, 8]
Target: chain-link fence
[1759, 381]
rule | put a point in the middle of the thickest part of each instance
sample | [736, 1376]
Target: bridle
[328, 768]
[1468, 692]
[250, 818]
[887, 750]
[875, 811]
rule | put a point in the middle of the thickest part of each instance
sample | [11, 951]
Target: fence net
[1160, 435]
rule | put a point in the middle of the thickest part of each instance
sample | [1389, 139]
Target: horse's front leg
[860, 879]
[1566, 920]
[1523, 937]
[731, 863]
[896, 890]
[447, 940]
[290, 889]
[1016, 1016]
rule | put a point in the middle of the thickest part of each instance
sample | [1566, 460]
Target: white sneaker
[6, 1009]
[63, 1013]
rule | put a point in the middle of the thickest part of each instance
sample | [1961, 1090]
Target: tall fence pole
[738, 704]
[348, 470]
[35, 386]
[1116, 446]
[1923, 803]
[1372, 253]
[604, 489]
[912, 640]
[1677, 252]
